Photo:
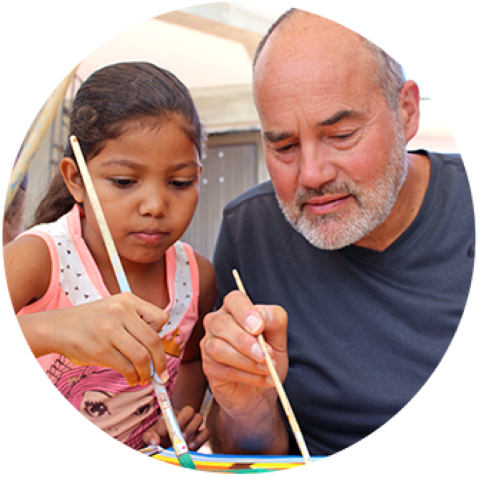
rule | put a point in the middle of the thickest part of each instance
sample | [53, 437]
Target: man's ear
[409, 109]
[72, 178]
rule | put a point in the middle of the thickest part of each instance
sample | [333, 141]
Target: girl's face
[147, 181]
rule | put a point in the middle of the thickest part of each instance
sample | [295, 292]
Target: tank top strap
[181, 293]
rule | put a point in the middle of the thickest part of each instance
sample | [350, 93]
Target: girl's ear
[72, 178]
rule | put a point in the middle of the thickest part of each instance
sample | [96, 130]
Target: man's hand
[235, 365]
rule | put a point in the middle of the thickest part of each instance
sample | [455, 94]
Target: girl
[141, 137]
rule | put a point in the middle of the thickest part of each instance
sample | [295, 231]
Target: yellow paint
[171, 347]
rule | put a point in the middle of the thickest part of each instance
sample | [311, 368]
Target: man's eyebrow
[339, 116]
[274, 137]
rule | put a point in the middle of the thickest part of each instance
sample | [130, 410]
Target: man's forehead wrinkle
[308, 68]
[341, 115]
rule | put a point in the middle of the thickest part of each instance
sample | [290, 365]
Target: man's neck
[406, 208]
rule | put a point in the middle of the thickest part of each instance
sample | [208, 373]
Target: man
[367, 248]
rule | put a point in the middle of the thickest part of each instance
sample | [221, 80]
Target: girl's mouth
[149, 236]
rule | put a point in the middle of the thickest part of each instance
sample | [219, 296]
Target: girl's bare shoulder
[27, 268]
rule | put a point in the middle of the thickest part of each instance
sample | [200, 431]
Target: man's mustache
[303, 196]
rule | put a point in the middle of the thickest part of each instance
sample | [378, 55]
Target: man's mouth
[322, 205]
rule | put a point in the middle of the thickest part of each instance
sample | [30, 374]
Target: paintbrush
[179, 445]
[278, 385]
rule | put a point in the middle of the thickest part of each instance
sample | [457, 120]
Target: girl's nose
[153, 204]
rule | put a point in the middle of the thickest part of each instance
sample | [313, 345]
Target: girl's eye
[177, 184]
[122, 182]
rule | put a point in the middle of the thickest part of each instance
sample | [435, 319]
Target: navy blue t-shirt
[366, 328]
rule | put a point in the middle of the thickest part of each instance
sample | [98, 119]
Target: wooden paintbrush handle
[279, 387]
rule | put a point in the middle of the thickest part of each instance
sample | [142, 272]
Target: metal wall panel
[228, 170]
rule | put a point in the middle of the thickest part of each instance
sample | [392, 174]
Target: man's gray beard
[374, 205]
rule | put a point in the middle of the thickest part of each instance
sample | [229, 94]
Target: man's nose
[316, 167]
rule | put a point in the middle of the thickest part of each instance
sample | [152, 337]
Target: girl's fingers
[136, 365]
[157, 434]
[184, 416]
[146, 346]
[153, 316]
[148, 349]
[118, 332]
[191, 425]
[150, 437]
[196, 442]
[193, 430]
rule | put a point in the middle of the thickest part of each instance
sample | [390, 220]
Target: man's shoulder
[443, 159]
[450, 158]
[448, 173]
[451, 174]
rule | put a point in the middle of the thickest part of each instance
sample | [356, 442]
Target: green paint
[186, 461]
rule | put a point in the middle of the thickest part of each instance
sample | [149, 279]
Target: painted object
[234, 464]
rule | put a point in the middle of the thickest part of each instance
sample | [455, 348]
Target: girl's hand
[119, 332]
[191, 425]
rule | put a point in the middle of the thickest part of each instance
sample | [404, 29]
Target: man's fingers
[232, 354]
[223, 353]
[227, 343]
[226, 337]
[246, 314]
[276, 322]
[221, 375]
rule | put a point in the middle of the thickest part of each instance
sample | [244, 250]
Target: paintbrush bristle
[186, 461]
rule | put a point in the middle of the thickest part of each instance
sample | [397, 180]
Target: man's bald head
[340, 41]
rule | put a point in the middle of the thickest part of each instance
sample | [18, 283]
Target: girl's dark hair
[107, 105]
